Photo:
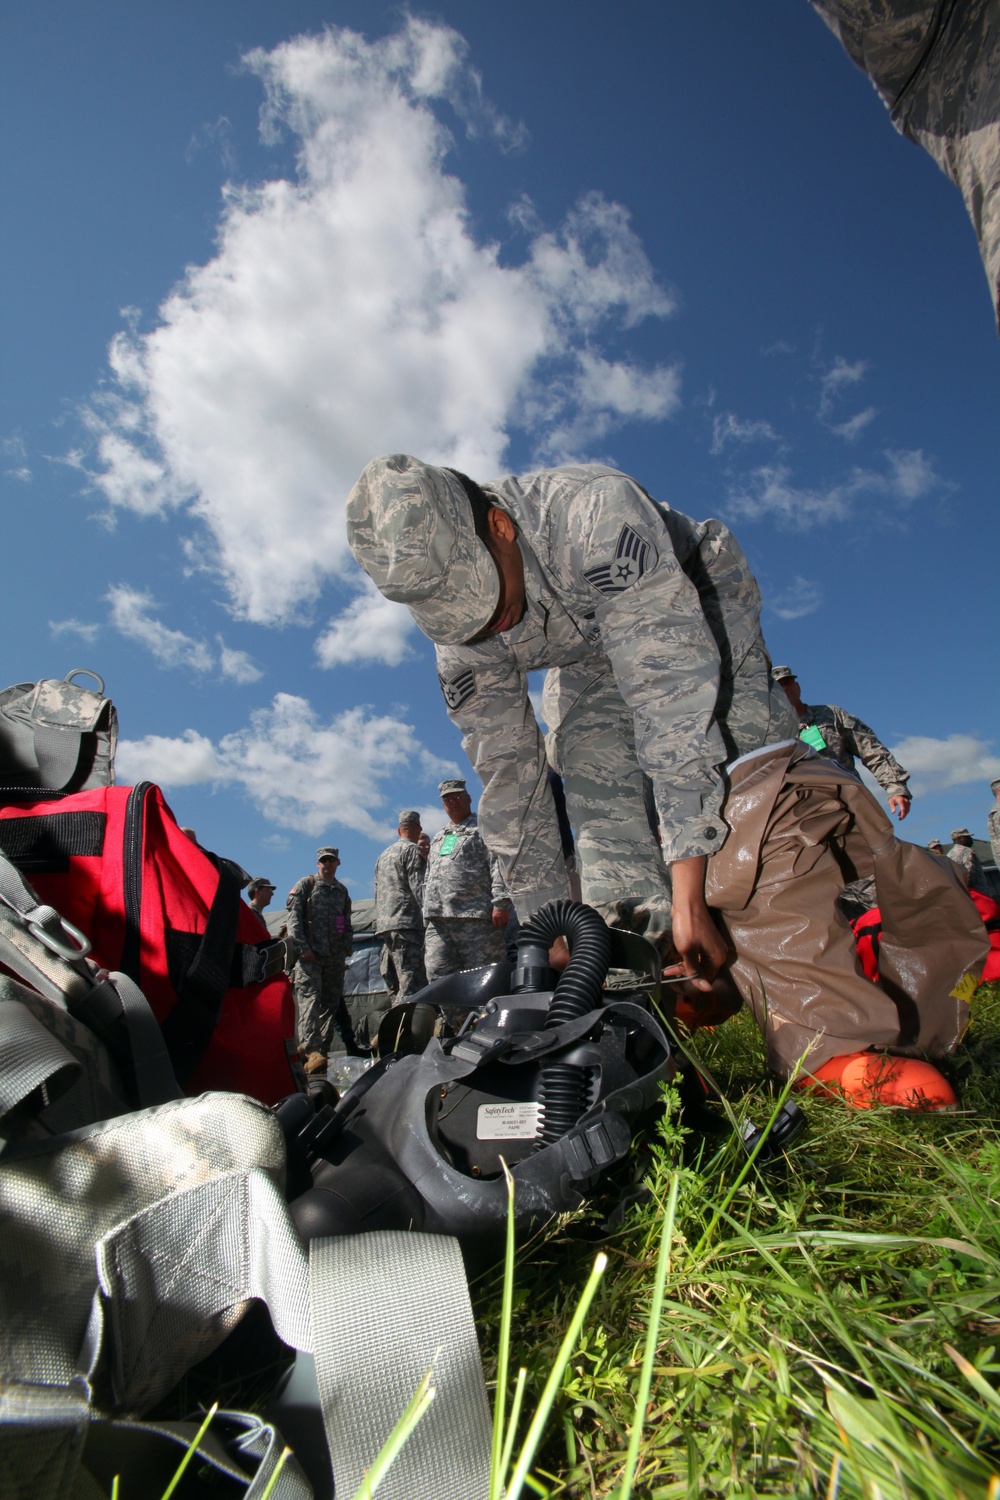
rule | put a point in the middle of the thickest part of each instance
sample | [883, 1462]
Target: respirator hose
[563, 1088]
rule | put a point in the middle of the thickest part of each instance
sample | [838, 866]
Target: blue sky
[247, 246]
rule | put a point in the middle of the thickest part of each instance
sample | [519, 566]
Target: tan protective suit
[801, 828]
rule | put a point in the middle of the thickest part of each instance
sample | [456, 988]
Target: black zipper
[132, 878]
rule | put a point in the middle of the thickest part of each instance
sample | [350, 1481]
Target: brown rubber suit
[802, 828]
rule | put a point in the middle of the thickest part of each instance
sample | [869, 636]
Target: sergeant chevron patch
[625, 568]
[458, 689]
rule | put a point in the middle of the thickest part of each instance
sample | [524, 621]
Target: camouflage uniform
[399, 893]
[650, 625]
[937, 68]
[463, 886]
[847, 736]
[993, 825]
[320, 918]
[968, 860]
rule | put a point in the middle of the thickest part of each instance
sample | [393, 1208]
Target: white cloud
[299, 772]
[838, 378]
[852, 429]
[352, 312]
[131, 614]
[729, 428]
[185, 761]
[802, 597]
[237, 665]
[937, 765]
[768, 491]
[370, 629]
[13, 448]
[86, 632]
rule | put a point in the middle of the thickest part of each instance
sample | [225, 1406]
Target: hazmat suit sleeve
[486, 694]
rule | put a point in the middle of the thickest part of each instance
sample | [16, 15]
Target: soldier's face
[506, 554]
[792, 693]
[327, 867]
[457, 805]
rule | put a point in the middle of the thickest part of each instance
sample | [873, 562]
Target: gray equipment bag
[57, 736]
[130, 1247]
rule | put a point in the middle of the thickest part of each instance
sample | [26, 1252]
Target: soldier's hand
[900, 806]
[702, 948]
[559, 954]
[500, 915]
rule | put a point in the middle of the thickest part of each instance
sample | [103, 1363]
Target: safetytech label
[506, 1122]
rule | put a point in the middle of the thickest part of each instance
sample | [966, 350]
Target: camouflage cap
[453, 784]
[781, 673]
[260, 884]
[960, 833]
[408, 817]
[328, 850]
[995, 785]
[934, 843]
[410, 527]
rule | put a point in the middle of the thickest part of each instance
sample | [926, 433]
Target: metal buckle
[40, 924]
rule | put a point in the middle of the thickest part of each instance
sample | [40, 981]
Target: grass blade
[387, 1454]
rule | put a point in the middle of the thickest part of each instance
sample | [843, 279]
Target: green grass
[828, 1326]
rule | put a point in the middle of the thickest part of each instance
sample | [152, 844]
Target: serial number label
[506, 1122]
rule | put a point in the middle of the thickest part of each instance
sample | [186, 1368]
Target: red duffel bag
[158, 907]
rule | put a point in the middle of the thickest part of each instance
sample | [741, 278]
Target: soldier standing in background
[846, 737]
[319, 921]
[466, 903]
[399, 894]
[993, 822]
[968, 861]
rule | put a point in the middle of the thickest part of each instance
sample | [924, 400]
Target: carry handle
[86, 672]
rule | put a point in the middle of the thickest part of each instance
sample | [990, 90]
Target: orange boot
[867, 1078]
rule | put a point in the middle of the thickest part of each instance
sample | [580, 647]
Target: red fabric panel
[247, 1051]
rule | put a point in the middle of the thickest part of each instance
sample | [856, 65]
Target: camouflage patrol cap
[260, 884]
[934, 843]
[453, 784]
[779, 674]
[408, 817]
[960, 833]
[410, 527]
[995, 785]
[328, 851]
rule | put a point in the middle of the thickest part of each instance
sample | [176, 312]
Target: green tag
[812, 737]
[448, 843]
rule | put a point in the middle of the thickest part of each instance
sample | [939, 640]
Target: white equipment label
[506, 1122]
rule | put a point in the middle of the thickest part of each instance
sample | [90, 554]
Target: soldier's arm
[298, 929]
[348, 930]
[499, 893]
[662, 653]
[487, 697]
[416, 874]
[871, 752]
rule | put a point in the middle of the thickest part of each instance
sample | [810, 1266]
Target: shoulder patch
[630, 561]
[459, 688]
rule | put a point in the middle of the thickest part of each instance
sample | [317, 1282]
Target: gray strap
[57, 750]
[154, 1073]
[30, 1056]
[386, 1308]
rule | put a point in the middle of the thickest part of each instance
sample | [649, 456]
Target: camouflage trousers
[453, 943]
[403, 962]
[591, 743]
[322, 1020]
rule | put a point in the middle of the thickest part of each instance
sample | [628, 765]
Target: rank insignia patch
[625, 568]
[458, 689]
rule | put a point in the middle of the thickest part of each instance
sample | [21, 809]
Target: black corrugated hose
[563, 1088]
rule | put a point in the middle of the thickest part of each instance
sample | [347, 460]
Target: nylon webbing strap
[45, 845]
[386, 1308]
[30, 1056]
